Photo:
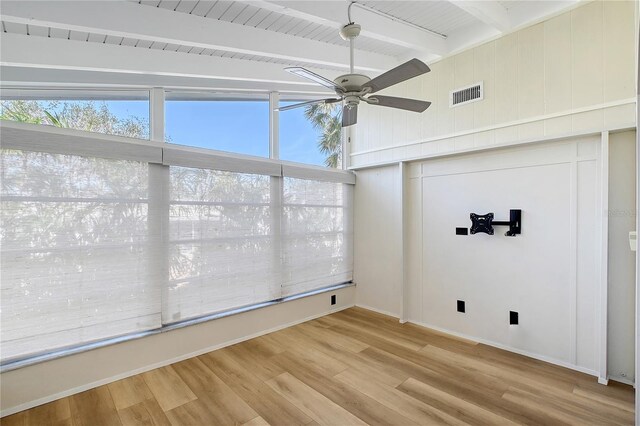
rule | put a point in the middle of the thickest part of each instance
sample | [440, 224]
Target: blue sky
[234, 126]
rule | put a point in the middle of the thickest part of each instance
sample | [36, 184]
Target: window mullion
[158, 200]
[274, 126]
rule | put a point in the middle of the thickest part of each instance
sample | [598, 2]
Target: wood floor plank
[192, 413]
[168, 388]
[352, 400]
[130, 391]
[622, 404]
[486, 353]
[135, 415]
[354, 360]
[415, 333]
[368, 332]
[507, 375]
[268, 346]
[447, 376]
[614, 389]
[570, 412]
[478, 389]
[54, 413]
[17, 419]
[411, 408]
[350, 367]
[147, 413]
[94, 407]
[314, 358]
[332, 338]
[270, 405]
[312, 403]
[257, 421]
[226, 406]
[391, 326]
[534, 367]
[539, 386]
[255, 357]
[560, 416]
[467, 412]
[25, 419]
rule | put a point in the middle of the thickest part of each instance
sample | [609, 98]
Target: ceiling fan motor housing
[352, 82]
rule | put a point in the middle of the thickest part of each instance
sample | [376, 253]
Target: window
[75, 251]
[221, 242]
[317, 235]
[222, 122]
[311, 134]
[105, 237]
[119, 112]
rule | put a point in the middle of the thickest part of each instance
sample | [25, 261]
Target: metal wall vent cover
[467, 94]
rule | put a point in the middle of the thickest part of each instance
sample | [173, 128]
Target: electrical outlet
[333, 299]
[461, 306]
[462, 231]
[513, 318]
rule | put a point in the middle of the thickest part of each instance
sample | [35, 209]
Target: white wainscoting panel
[548, 274]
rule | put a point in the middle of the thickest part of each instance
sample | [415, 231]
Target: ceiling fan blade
[305, 73]
[400, 103]
[349, 115]
[301, 104]
[410, 69]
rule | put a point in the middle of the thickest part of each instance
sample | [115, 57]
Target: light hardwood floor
[352, 367]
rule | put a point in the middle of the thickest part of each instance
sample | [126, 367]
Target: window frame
[44, 93]
[157, 120]
[35, 137]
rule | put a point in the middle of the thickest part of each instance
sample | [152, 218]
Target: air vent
[466, 95]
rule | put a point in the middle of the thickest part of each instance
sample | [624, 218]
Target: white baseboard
[380, 311]
[603, 381]
[495, 344]
[491, 343]
[69, 392]
[623, 380]
[510, 349]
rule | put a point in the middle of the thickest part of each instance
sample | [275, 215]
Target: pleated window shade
[94, 248]
[221, 242]
[75, 251]
[317, 235]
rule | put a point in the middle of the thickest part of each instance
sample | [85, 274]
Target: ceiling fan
[352, 88]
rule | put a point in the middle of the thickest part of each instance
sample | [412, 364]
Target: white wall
[549, 273]
[622, 219]
[377, 231]
[571, 74]
[40, 383]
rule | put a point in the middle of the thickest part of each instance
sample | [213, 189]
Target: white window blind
[95, 245]
[221, 242]
[317, 235]
[75, 251]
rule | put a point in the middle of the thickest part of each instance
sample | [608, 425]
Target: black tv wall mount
[485, 223]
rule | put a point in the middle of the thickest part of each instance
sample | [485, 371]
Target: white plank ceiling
[393, 30]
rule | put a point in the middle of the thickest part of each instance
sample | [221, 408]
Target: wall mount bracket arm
[485, 223]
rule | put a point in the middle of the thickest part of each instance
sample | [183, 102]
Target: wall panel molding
[619, 116]
[578, 161]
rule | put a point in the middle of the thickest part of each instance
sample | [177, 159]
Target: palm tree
[80, 115]
[327, 118]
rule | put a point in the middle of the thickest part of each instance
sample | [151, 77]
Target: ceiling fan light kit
[353, 88]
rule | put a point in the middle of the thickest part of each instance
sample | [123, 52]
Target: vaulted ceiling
[239, 45]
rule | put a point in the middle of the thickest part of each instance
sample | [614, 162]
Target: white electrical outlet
[633, 240]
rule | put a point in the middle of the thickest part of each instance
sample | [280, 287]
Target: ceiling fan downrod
[350, 32]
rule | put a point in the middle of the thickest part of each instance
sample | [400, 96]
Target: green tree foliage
[81, 115]
[327, 118]
[22, 111]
